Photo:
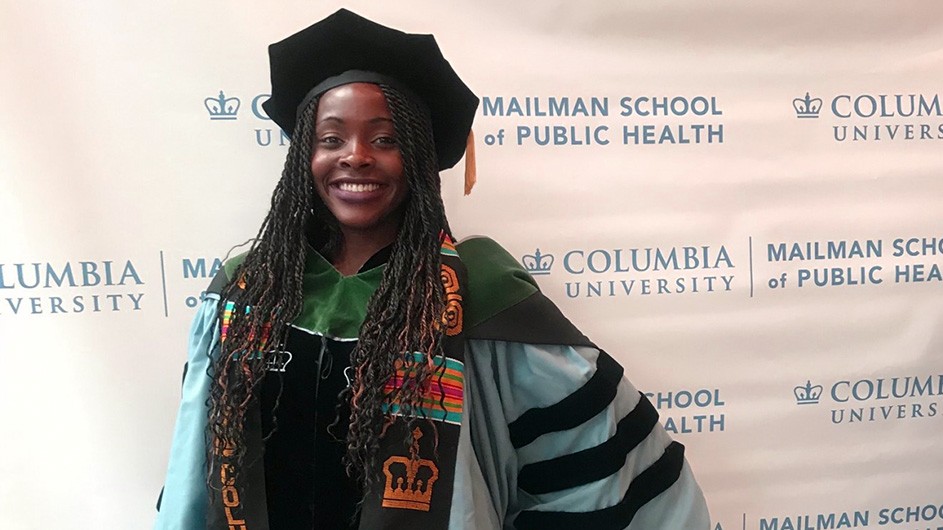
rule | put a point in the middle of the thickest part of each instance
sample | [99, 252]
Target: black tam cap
[347, 48]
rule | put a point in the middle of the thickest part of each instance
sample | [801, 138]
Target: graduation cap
[347, 48]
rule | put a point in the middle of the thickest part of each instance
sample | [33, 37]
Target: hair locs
[264, 297]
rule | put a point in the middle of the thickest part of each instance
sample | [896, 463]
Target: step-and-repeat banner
[741, 201]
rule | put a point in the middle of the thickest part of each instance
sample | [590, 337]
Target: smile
[357, 188]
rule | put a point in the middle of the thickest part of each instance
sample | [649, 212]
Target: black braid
[269, 280]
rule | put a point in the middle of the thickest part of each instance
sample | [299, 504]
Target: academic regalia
[525, 424]
[552, 436]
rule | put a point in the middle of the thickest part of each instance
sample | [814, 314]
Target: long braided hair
[265, 296]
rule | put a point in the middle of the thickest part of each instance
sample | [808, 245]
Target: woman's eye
[329, 140]
[386, 140]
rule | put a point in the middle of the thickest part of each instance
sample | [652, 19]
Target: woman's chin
[367, 224]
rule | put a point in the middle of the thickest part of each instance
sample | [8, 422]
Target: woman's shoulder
[503, 302]
[225, 273]
[495, 279]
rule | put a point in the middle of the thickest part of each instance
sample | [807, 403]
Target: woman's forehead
[362, 101]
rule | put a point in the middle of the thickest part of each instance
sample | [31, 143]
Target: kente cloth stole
[416, 482]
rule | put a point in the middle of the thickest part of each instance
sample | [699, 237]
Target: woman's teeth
[357, 188]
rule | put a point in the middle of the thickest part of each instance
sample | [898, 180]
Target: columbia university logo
[537, 263]
[221, 107]
[807, 394]
[807, 107]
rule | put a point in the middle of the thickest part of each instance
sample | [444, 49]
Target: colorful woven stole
[418, 481]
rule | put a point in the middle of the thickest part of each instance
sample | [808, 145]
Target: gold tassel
[471, 174]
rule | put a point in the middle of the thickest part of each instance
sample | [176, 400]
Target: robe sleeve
[183, 501]
[564, 441]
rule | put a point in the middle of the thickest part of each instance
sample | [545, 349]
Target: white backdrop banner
[741, 201]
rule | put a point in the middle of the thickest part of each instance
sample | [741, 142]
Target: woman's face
[355, 160]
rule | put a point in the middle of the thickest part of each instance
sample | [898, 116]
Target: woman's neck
[356, 247]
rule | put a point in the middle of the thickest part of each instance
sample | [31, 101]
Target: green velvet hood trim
[496, 281]
[336, 305]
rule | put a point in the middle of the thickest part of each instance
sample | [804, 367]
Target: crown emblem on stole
[807, 107]
[409, 481]
[221, 107]
[537, 263]
[808, 394]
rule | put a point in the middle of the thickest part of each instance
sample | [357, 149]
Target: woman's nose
[357, 155]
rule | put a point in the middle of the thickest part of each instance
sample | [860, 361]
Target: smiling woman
[358, 368]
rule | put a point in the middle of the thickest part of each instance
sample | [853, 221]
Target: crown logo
[222, 108]
[537, 263]
[808, 394]
[409, 480]
[278, 361]
[807, 107]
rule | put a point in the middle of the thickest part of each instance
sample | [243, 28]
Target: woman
[358, 369]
